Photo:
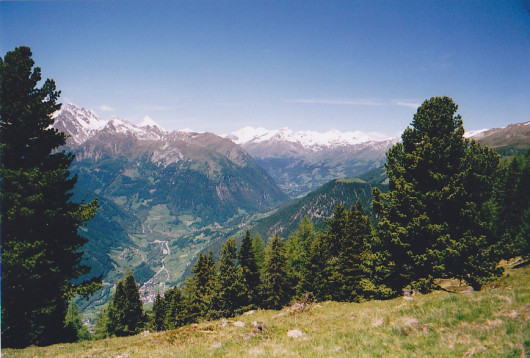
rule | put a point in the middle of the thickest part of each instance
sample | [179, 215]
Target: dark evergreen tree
[159, 313]
[41, 248]
[259, 251]
[513, 201]
[199, 288]
[230, 292]
[250, 272]
[125, 314]
[276, 285]
[437, 217]
[332, 243]
[318, 269]
[352, 262]
[360, 260]
[176, 314]
[298, 250]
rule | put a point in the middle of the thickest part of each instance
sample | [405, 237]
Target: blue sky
[308, 65]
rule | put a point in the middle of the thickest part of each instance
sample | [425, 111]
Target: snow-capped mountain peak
[475, 134]
[120, 125]
[246, 134]
[148, 122]
[77, 123]
[307, 139]
[86, 118]
[81, 124]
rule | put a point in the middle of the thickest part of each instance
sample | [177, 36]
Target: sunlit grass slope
[491, 323]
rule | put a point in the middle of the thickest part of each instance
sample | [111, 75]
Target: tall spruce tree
[125, 314]
[318, 268]
[276, 283]
[298, 248]
[361, 260]
[230, 292]
[513, 204]
[250, 272]
[199, 288]
[436, 220]
[259, 250]
[331, 279]
[176, 314]
[159, 313]
[41, 248]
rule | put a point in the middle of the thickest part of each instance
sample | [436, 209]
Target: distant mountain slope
[164, 195]
[512, 139]
[317, 205]
[303, 161]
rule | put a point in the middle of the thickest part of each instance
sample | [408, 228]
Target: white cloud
[105, 108]
[405, 103]
[356, 102]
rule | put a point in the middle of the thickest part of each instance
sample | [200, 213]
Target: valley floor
[491, 323]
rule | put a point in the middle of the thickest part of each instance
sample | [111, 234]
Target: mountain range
[164, 195]
[167, 195]
[303, 161]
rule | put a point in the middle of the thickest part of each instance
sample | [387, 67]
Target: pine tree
[101, 324]
[276, 285]
[318, 269]
[250, 271]
[159, 311]
[360, 260]
[125, 314]
[333, 242]
[513, 200]
[199, 288]
[230, 291]
[41, 248]
[298, 251]
[76, 330]
[437, 217]
[259, 251]
[176, 314]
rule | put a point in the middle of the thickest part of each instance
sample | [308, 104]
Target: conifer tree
[230, 290]
[199, 288]
[41, 248]
[333, 242]
[276, 285]
[437, 217]
[101, 324]
[318, 269]
[125, 314]
[513, 201]
[259, 251]
[76, 330]
[176, 314]
[359, 260]
[250, 272]
[159, 311]
[298, 251]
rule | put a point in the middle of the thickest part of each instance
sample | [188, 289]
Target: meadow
[493, 322]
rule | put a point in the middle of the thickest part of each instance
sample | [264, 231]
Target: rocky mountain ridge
[301, 162]
[164, 196]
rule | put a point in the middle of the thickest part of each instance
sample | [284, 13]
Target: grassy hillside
[492, 323]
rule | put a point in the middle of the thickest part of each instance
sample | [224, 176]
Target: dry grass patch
[492, 322]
